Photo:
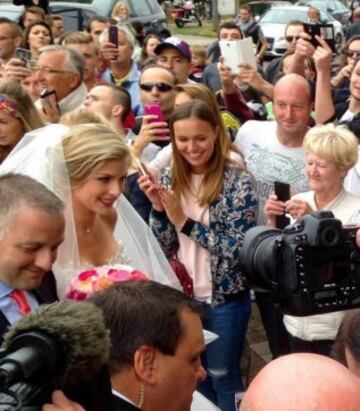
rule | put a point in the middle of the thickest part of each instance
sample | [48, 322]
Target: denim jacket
[231, 215]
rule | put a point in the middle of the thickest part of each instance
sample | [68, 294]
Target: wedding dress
[39, 155]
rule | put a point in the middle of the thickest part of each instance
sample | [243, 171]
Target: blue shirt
[8, 305]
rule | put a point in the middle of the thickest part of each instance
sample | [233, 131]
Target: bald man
[303, 382]
[273, 151]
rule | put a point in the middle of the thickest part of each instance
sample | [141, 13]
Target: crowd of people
[149, 153]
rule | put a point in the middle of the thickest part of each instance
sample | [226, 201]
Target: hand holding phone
[24, 55]
[50, 105]
[324, 30]
[158, 117]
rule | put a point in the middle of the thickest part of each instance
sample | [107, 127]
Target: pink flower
[90, 281]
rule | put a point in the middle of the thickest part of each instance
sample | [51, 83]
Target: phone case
[282, 191]
[113, 35]
[236, 52]
[155, 110]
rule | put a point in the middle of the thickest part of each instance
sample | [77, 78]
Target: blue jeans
[222, 357]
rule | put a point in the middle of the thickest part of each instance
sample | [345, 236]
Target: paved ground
[196, 40]
[257, 353]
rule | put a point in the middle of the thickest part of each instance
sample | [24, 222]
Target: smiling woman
[17, 116]
[202, 208]
[86, 166]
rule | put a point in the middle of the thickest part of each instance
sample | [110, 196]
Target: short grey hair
[18, 191]
[74, 61]
[129, 36]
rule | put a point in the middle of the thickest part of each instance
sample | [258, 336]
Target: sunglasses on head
[353, 53]
[162, 87]
[290, 39]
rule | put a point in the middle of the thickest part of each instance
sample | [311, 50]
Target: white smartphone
[236, 52]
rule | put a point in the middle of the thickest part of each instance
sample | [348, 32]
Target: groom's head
[31, 230]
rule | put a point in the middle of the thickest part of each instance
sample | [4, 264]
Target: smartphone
[154, 110]
[282, 191]
[47, 94]
[142, 169]
[236, 52]
[113, 35]
[24, 55]
[324, 30]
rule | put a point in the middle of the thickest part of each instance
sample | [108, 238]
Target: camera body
[313, 266]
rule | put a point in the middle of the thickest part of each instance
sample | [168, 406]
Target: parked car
[76, 14]
[334, 7]
[274, 21]
[260, 7]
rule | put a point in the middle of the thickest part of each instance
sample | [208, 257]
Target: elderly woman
[331, 152]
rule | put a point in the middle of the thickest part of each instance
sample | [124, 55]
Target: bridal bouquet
[97, 278]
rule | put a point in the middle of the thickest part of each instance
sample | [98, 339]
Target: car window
[283, 16]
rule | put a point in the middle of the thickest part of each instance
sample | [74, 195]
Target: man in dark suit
[157, 339]
[31, 230]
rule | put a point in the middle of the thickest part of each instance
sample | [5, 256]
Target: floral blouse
[231, 215]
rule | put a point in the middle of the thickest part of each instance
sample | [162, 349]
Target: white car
[274, 21]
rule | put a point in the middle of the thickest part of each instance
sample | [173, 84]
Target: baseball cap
[180, 45]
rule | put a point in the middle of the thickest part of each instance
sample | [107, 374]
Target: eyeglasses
[162, 87]
[352, 53]
[48, 70]
[290, 39]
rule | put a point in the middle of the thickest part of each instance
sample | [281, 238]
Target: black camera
[312, 266]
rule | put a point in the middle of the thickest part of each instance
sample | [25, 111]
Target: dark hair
[245, 7]
[120, 96]
[348, 336]
[144, 55]
[230, 25]
[30, 26]
[293, 23]
[142, 313]
[34, 10]
[343, 56]
[98, 18]
[308, 59]
[17, 31]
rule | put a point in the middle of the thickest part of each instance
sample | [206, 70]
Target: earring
[141, 396]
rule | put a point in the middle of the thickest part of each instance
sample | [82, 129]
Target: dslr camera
[312, 266]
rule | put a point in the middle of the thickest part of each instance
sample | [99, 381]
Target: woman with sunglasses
[348, 58]
[202, 207]
[17, 116]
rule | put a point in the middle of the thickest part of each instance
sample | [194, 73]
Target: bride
[87, 166]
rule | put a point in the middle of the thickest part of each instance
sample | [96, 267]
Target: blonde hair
[333, 143]
[23, 105]
[200, 52]
[87, 147]
[116, 9]
[181, 170]
[83, 116]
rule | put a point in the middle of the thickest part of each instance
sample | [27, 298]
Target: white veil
[39, 155]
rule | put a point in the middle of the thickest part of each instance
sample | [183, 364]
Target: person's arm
[263, 48]
[343, 74]
[250, 75]
[232, 97]
[240, 209]
[303, 48]
[324, 107]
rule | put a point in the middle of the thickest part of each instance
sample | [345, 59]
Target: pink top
[196, 258]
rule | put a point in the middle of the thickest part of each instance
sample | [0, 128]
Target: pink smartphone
[154, 110]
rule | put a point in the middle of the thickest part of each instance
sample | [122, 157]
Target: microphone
[64, 344]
